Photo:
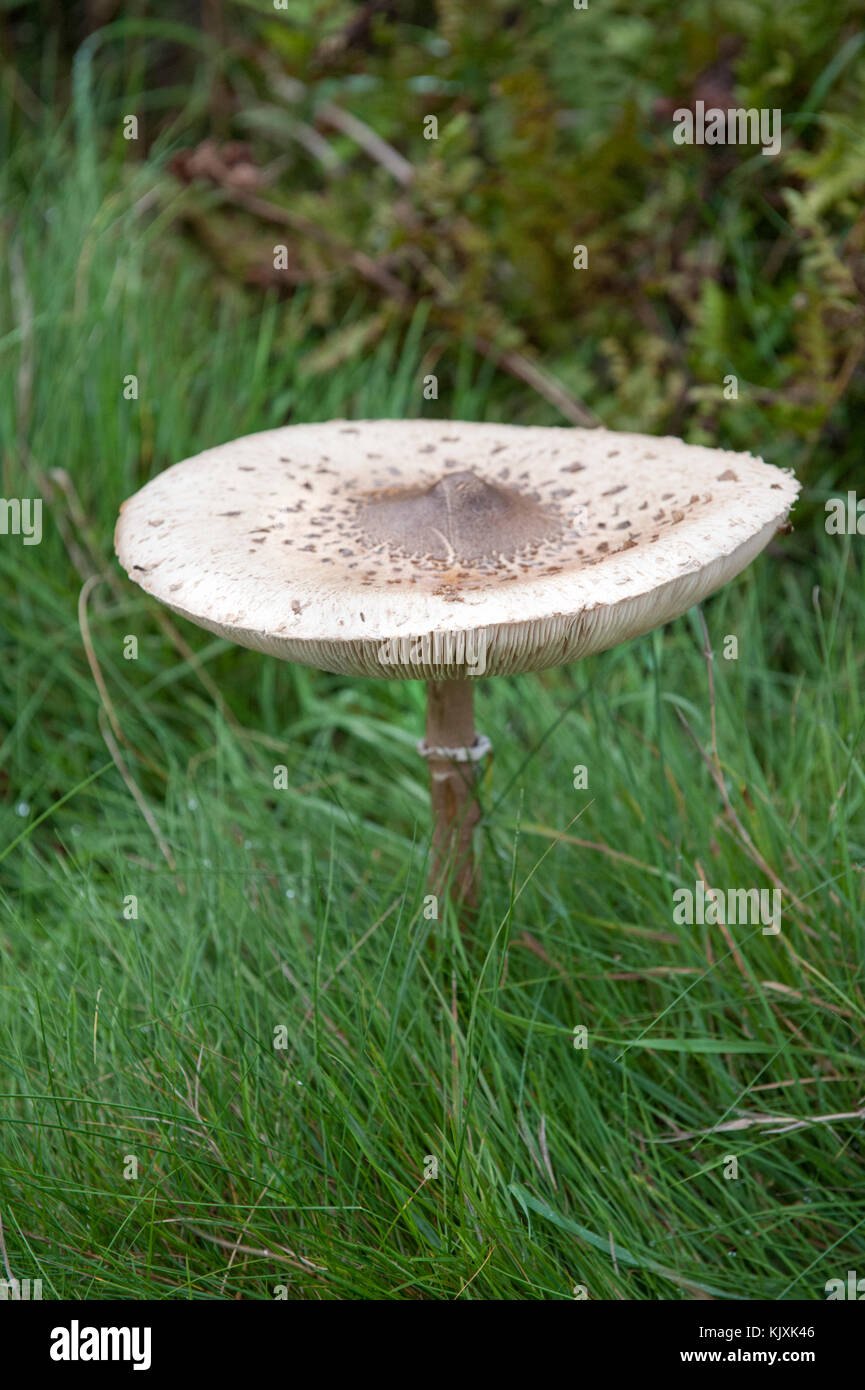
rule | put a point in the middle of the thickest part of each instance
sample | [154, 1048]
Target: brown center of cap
[461, 517]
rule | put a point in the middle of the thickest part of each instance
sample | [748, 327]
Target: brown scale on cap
[461, 518]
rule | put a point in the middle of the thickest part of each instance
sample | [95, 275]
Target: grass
[280, 1040]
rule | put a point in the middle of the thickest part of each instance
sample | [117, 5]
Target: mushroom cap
[439, 549]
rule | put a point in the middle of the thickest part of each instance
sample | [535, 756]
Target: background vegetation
[153, 1037]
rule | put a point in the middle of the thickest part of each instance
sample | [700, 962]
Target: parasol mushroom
[446, 551]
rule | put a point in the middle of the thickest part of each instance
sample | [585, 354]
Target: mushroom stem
[450, 725]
